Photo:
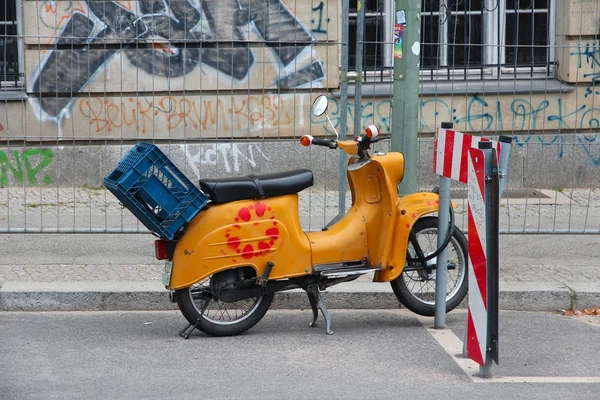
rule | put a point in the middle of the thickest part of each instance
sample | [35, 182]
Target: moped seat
[252, 187]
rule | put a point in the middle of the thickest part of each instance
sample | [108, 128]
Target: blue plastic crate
[155, 191]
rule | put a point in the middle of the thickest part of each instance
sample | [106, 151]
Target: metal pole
[441, 269]
[494, 263]
[405, 103]
[344, 105]
[358, 68]
[498, 183]
[343, 110]
[485, 370]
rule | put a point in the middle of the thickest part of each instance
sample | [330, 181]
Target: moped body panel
[345, 241]
[361, 234]
[409, 209]
[243, 233]
[252, 233]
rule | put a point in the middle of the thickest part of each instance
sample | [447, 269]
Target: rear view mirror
[320, 105]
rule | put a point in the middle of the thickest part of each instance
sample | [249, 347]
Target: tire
[423, 303]
[212, 321]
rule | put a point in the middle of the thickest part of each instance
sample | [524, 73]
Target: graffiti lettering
[473, 115]
[228, 155]
[588, 56]
[517, 115]
[174, 112]
[26, 164]
[319, 20]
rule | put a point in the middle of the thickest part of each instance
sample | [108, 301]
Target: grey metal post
[485, 370]
[505, 142]
[343, 111]
[441, 269]
[344, 101]
[358, 68]
[500, 168]
[405, 104]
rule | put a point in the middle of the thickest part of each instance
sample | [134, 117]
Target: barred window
[527, 33]
[481, 38]
[452, 33]
[464, 39]
[9, 45]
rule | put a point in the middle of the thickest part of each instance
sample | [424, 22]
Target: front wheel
[415, 287]
[216, 317]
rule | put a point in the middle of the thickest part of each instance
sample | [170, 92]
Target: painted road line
[452, 345]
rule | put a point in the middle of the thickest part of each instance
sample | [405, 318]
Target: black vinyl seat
[256, 186]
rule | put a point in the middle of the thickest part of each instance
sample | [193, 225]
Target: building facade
[108, 71]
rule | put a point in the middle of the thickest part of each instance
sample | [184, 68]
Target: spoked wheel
[216, 317]
[416, 288]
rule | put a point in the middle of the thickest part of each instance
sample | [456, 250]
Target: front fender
[409, 209]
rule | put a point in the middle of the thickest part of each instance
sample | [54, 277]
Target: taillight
[160, 249]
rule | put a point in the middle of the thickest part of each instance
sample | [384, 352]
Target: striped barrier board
[478, 279]
[457, 157]
[451, 153]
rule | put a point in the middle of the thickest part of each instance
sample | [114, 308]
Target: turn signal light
[372, 131]
[160, 249]
[306, 140]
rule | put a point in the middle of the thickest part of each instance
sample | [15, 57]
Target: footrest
[343, 272]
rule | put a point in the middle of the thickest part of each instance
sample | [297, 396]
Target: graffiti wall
[245, 69]
[250, 69]
[148, 57]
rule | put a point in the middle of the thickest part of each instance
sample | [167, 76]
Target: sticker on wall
[398, 31]
[401, 17]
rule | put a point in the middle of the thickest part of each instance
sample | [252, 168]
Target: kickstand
[186, 332]
[316, 303]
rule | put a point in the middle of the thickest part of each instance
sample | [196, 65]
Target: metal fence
[224, 87]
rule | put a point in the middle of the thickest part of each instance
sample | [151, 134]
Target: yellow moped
[248, 244]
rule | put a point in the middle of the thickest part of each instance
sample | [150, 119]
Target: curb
[151, 296]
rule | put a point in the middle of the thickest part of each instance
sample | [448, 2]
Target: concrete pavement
[119, 272]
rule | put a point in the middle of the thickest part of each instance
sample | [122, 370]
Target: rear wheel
[216, 317]
[416, 288]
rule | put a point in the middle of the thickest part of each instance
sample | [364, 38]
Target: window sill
[13, 95]
[485, 86]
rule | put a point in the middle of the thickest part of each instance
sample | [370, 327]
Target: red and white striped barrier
[457, 157]
[477, 314]
[451, 152]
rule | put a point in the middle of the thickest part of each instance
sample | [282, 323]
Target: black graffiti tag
[67, 70]
[78, 55]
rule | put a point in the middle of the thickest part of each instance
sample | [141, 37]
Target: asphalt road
[372, 355]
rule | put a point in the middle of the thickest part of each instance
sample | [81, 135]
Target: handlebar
[357, 147]
[307, 140]
[325, 142]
